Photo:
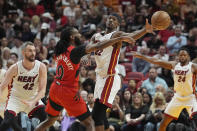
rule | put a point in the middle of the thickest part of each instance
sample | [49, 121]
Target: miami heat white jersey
[107, 58]
[3, 98]
[25, 84]
[184, 80]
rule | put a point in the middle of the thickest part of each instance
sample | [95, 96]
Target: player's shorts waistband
[184, 97]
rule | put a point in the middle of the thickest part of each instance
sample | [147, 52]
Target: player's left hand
[149, 28]
[30, 103]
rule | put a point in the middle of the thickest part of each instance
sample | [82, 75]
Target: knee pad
[99, 113]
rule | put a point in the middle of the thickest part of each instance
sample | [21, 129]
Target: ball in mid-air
[160, 20]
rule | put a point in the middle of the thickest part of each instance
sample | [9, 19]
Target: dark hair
[184, 49]
[117, 16]
[64, 41]
[14, 54]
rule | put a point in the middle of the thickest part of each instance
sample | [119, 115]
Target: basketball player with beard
[28, 79]
[108, 81]
[184, 74]
[64, 91]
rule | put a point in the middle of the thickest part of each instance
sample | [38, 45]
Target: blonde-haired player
[184, 73]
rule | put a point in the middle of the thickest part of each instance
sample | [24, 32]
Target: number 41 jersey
[184, 79]
[25, 83]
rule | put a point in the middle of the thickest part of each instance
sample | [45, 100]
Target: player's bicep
[42, 77]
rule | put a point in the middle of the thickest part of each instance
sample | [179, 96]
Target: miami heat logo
[30, 81]
[181, 74]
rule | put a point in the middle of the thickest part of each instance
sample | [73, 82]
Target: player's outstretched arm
[165, 64]
[101, 45]
[11, 73]
[139, 33]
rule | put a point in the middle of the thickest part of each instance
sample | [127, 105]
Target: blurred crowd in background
[146, 88]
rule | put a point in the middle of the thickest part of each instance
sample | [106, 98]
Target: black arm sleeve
[77, 53]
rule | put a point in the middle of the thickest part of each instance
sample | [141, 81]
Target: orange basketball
[160, 20]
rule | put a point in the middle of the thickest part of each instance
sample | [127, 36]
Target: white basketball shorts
[107, 88]
[178, 103]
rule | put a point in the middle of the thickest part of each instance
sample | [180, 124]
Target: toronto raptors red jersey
[66, 70]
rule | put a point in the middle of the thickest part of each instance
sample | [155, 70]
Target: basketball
[160, 20]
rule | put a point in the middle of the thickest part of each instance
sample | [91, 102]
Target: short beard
[30, 59]
[77, 41]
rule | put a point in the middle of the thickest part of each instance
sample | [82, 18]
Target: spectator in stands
[147, 99]
[5, 56]
[122, 72]
[153, 44]
[27, 35]
[132, 87]
[90, 101]
[175, 42]
[14, 57]
[4, 43]
[165, 34]
[135, 114]
[168, 95]
[189, 6]
[156, 112]
[92, 75]
[9, 63]
[115, 115]
[167, 76]
[10, 33]
[17, 47]
[35, 24]
[83, 74]
[153, 81]
[44, 35]
[84, 95]
[191, 47]
[41, 51]
[162, 55]
[126, 99]
[139, 65]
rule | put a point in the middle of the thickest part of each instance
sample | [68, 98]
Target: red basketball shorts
[65, 97]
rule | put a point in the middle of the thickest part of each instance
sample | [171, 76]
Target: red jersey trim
[9, 93]
[194, 83]
[106, 90]
[113, 61]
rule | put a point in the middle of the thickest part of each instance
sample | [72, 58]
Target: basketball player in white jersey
[184, 73]
[28, 78]
[108, 81]
[5, 93]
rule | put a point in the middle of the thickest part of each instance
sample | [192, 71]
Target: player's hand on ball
[128, 39]
[149, 27]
